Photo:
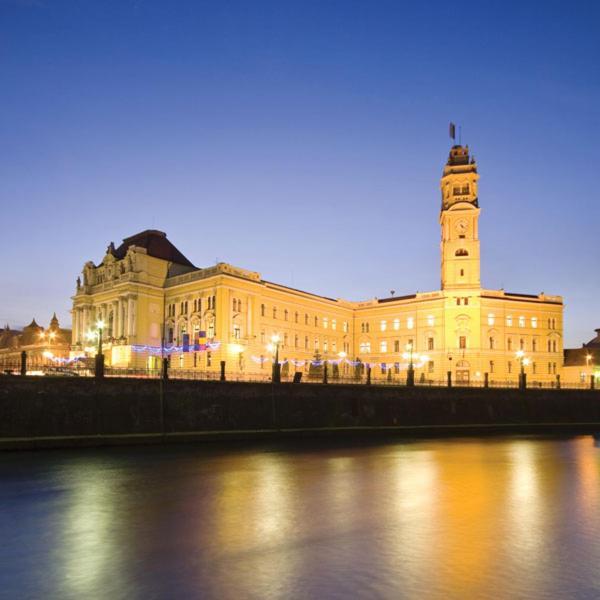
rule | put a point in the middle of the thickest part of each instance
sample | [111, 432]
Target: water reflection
[499, 518]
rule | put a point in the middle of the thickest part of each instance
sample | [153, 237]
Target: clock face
[461, 226]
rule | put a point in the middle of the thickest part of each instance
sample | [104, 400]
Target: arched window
[461, 252]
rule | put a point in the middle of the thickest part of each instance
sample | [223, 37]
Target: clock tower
[459, 222]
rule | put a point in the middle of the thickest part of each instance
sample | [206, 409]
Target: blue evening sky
[302, 139]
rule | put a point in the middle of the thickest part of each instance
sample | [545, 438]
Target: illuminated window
[325, 322]
[534, 322]
[521, 321]
[383, 346]
[333, 324]
[410, 322]
[509, 321]
[316, 343]
[211, 330]
[345, 326]
[430, 320]
[383, 325]
[334, 346]
[491, 319]
[365, 347]
[237, 332]
[396, 324]
[325, 346]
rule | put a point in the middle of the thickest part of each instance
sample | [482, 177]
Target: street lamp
[520, 354]
[99, 355]
[273, 347]
[410, 375]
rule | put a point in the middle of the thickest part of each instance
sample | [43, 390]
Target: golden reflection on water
[496, 518]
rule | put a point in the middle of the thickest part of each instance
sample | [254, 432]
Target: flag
[452, 131]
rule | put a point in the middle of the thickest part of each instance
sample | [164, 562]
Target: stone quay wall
[36, 411]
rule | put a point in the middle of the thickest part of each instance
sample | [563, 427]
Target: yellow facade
[151, 297]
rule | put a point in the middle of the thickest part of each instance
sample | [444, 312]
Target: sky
[301, 139]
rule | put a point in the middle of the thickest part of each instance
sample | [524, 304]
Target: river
[510, 517]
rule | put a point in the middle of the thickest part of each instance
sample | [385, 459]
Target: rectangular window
[430, 343]
[509, 321]
[365, 347]
[237, 332]
[333, 324]
[325, 346]
[410, 322]
[534, 322]
[430, 321]
[430, 366]
[383, 325]
[491, 319]
[325, 322]
[383, 346]
[345, 327]
[509, 367]
[521, 321]
[396, 345]
[491, 366]
[383, 368]
[396, 324]
[462, 342]
[396, 368]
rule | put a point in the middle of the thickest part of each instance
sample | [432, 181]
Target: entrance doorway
[462, 372]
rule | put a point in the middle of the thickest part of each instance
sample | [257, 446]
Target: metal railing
[86, 369]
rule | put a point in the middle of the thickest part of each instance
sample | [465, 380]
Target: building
[581, 364]
[44, 347]
[151, 296]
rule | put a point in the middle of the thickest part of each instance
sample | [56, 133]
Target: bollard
[558, 382]
[165, 368]
[486, 380]
[449, 379]
[276, 373]
[410, 377]
[368, 375]
[222, 370]
[99, 366]
[324, 371]
[23, 363]
[522, 381]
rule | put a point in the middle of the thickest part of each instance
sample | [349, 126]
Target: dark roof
[595, 342]
[156, 244]
[576, 357]
[394, 298]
